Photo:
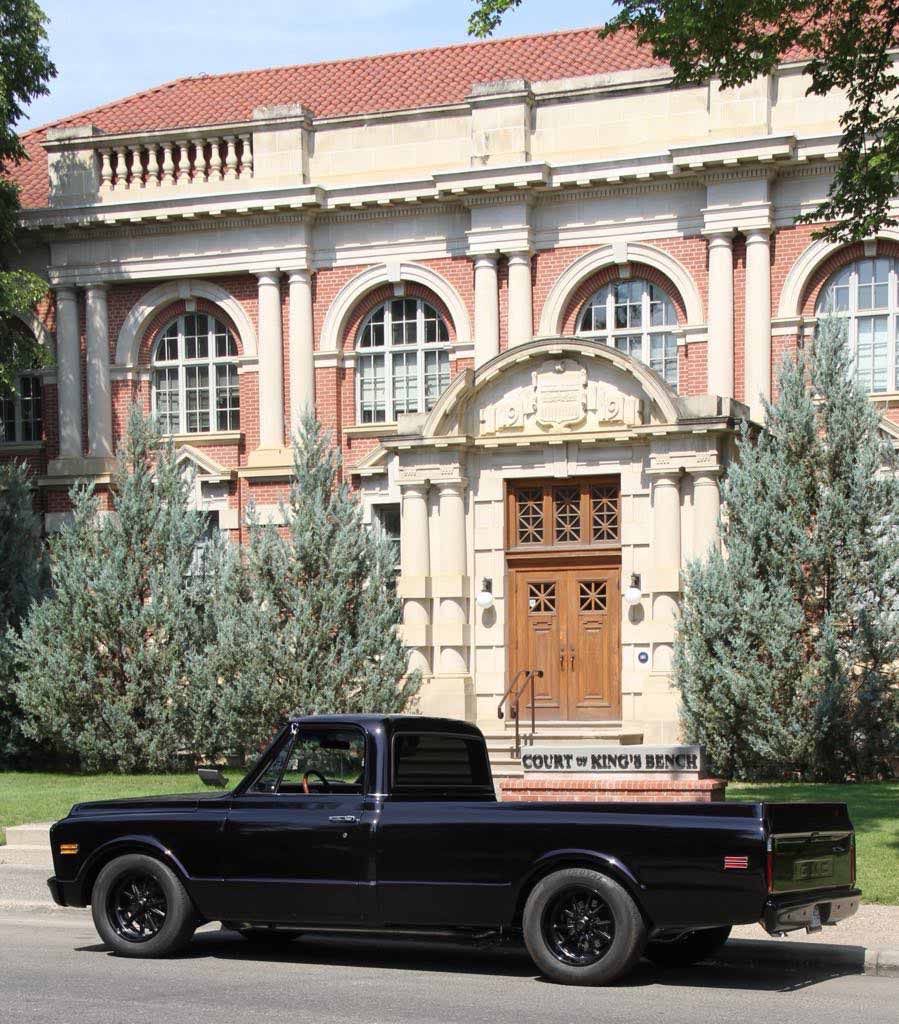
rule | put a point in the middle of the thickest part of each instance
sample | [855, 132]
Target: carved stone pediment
[559, 397]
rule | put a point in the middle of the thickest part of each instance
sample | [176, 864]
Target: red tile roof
[364, 85]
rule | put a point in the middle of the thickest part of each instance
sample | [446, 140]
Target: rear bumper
[791, 911]
[65, 894]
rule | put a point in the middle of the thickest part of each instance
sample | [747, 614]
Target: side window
[435, 761]
[318, 761]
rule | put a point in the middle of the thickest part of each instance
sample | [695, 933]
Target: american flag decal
[736, 863]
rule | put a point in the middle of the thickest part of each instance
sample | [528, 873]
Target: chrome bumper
[809, 910]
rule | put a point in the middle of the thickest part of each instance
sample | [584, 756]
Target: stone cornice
[694, 166]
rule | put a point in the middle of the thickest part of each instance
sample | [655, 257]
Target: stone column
[758, 321]
[68, 373]
[720, 358]
[415, 575]
[486, 310]
[99, 393]
[271, 366]
[666, 554]
[706, 507]
[521, 318]
[300, 342]
[450, 581]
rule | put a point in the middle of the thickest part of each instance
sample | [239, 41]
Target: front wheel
[686, 949]
[582, 928]
[140, 908]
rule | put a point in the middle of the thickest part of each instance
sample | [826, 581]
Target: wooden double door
[566, 620]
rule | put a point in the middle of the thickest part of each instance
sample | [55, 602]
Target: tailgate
[810, 846]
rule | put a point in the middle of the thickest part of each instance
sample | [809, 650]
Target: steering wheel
[326, 786]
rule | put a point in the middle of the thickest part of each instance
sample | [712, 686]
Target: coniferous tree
[21, 581]
[309, 623]
[788, 641]
[104, 660]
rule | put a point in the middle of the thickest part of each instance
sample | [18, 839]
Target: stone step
[22, 855]
[35, 834]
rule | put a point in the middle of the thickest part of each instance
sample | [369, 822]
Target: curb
[880, 963]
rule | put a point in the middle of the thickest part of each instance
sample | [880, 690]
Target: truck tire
[689, 948]
[582, 928]
[141, 909]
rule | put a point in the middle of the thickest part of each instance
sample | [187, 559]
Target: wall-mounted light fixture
[485, 595]
[634, 592]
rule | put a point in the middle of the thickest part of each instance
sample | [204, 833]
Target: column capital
[759, 234]
[459, 484]
[65, 293]
[705, 475]
[301, 276]
[482, 260]
[268, 277]
[415, 488]
[95, 286]
[519, 256]
[665, 476]
[718, 237]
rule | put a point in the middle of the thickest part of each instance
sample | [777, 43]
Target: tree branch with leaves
[850, 46]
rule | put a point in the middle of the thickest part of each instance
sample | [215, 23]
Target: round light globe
[484, 599]
[632, 596]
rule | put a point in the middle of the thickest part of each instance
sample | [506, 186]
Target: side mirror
[212, 777]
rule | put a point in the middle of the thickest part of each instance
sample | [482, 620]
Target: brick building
[530, 287]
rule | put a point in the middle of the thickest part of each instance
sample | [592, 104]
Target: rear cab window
[432, 764]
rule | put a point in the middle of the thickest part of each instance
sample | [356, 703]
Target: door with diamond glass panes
[564, 562]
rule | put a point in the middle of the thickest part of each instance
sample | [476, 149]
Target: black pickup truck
[390, 824]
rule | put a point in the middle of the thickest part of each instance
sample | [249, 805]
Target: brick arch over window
[638, 272]
[674, 279]
[175, 309]
[130, 342]
[816, 263]
[386, 292]
[842, 257]
[347, 302]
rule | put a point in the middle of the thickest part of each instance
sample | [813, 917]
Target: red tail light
[769, 866]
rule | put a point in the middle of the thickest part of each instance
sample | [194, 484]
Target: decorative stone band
[603, 788]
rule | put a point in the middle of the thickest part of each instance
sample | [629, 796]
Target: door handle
[571, 662]
[344, 819]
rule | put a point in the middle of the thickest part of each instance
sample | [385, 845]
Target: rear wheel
[686, 949]
[140, 908]
[582, 928]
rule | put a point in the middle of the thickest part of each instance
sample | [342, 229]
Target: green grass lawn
[47, 796]
[873, 807]
[874, 810]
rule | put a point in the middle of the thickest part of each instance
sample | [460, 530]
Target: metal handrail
[529, 674]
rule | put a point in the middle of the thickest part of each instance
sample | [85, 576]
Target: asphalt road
[53, 969]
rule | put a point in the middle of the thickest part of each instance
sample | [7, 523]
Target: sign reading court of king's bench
[602, 759]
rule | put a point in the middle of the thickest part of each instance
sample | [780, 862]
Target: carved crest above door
[560, 396]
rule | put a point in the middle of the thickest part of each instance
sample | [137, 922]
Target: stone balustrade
[180, 162]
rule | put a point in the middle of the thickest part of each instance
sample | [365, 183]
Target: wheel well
[563, 864]
[90, 878]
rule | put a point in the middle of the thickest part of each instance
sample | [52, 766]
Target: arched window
[195, 387]
[402, 360]
[635, 317]
[866, 294]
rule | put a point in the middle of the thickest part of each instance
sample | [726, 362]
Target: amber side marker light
[68, 848]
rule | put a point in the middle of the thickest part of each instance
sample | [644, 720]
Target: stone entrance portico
[561, 409]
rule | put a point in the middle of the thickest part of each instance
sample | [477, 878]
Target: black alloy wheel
[137, 907]
[141, 908]
[579, 926]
